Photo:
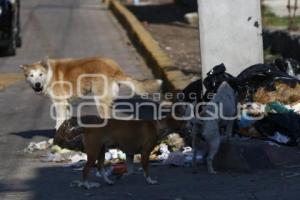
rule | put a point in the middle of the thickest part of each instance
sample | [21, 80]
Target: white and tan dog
[63, 79]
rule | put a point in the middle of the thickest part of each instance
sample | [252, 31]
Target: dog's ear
[45, 62]
[24, 67]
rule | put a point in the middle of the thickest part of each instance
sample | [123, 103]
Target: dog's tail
[138, 86]
[149, 86]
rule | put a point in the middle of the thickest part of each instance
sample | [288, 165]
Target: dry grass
[283, 93]
[8, 79]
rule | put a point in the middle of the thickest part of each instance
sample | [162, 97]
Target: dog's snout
[37, 85]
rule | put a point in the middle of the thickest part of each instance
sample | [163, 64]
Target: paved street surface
[80, 28]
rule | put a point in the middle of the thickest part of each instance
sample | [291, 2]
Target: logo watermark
[98, 87]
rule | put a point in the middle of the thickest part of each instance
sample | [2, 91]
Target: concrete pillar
[230, 33]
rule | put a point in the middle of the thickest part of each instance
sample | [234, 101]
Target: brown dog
[131, 136]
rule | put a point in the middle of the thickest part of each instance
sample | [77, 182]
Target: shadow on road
[49, 133]
[160, 14]
[54, 183]
[174, 183]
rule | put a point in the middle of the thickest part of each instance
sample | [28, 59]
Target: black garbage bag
[285, 123]
[262, 75]
[215, 77]
[266, 73]
[288, 65]
[245, 84]
[193, 92]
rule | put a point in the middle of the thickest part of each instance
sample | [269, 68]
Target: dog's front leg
[129, 162]
[85, 173]
[104, 107]
[62, 112]
[195, 131]
[100, 166]
[228, 130]
[145, 161]
[213, 138]
[194, 146]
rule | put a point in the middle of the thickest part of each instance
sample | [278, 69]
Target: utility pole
[230, 33]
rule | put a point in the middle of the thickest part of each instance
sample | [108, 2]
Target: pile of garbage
[171, 151]
[269, 95]
[54, 153]
[274, 121]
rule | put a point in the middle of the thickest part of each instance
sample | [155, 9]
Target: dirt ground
[165, 20]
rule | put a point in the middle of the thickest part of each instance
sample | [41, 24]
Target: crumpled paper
[35, 146]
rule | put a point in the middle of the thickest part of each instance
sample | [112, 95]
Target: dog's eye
[41, 74]
[31, 75]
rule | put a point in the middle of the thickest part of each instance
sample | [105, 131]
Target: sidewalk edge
[156, 58]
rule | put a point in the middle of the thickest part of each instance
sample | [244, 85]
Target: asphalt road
[80, 28]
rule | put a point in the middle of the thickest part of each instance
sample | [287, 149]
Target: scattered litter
[293, 166]
[290, 174]
[114, 169]
[175, 142]
[184, 158]
[175, 158]
[280, 138]
[187, 150]
[287, 124]
[164, 150]
[50, 141]
[85, 184]
[78, 157]
[35, 146]
[55, 157]
[67, 156]
[114, 154]
[276, 107]
[296, 107]
[272, 143]
[58, 149]
[255, 108]
[78, 164]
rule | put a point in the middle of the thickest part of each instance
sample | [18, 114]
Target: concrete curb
[157, 60]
